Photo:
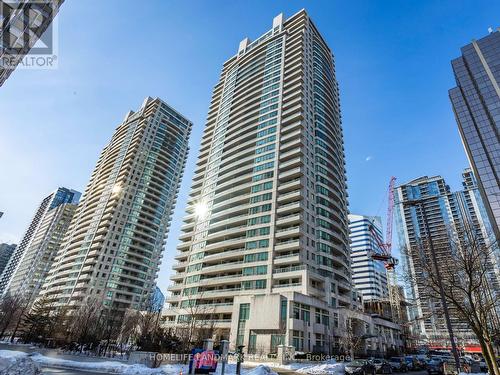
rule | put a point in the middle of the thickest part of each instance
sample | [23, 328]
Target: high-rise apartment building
[6, 251]
[46, 241]
[476, 103]
[36, 228]
[445, 213]
[368, 275]
[158, 300]
[471, 211]
[23, 24]
[264, 249]
[426, 312]
[114, 245]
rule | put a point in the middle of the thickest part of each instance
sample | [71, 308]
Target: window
[267, 131]
[262, 208]
[258, 232]
[262, 167]
[276, 340]
[265, 140]
[260, 284]
[256, 257]
[263, 176]
[262, 197]
[298, 340]
[243, 317]
[264, 186]
[302, 312]
[264, 157]
[283, 310]
[257, 270]
[259, 220]
[252, 343]
[263, 149]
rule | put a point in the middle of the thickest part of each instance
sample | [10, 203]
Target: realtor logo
[28, 35]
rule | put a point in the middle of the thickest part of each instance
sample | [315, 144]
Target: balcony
[178, 276]
[295, 172]
[287, 245]
[287, 259]
[288, 232]
[298, 268]
[288, 208]
[289, 219]
[285, 187]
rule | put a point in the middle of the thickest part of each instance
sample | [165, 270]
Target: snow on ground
[111, 367]
[259, 369]
[325, 368]
[17, 363]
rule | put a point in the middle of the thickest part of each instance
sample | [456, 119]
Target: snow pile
[322, 369]
[17, 363]
[175, 369]
[110, 367]
[29, 364]
[259, 370]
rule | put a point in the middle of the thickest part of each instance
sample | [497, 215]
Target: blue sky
[393, 66]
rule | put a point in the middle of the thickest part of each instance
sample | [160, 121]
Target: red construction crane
[385, 247]
[386, 256]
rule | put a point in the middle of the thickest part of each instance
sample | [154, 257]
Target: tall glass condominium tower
[265, 249]
[448, 213]
[476, 103]
[41, 225]
[368, 275]
[113, 247]
[39, 255]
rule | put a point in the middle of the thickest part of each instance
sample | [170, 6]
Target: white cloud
[6, 237]
[368, 158]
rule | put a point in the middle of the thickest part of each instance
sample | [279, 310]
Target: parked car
[360, 367]
[418, 363]
[483, 366]
[435, 366]
[410, 363]
[382, 366]
[398, 364]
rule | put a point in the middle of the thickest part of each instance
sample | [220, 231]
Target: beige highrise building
[264, 250]
[113, 248]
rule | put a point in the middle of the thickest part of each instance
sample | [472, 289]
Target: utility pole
[421, 204]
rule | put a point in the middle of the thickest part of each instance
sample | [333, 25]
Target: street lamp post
[420, 203]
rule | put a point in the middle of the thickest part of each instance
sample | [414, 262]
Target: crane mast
[386, 256]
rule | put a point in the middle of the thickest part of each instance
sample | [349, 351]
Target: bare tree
[84, 324]
[196, 322]
[38, 324]
[352, 336]
[11, 311]
[467, 285]
[129, 330]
